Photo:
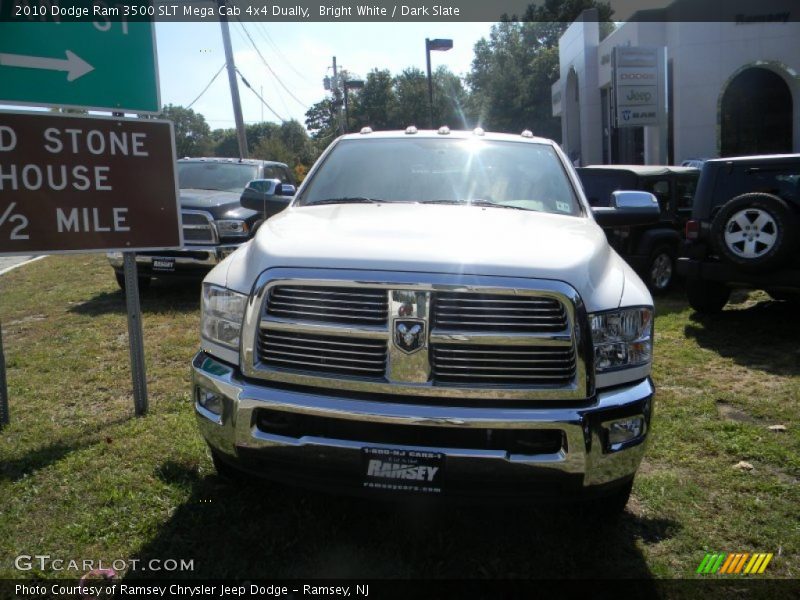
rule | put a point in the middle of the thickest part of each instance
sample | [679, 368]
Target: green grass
[82, 478]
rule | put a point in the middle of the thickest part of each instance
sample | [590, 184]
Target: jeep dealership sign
[640, 86]
[86, 184]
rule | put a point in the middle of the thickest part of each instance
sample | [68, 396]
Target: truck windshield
[520, 175]
[224, 177]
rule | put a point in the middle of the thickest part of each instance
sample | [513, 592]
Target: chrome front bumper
[188, 256]
[585, 460]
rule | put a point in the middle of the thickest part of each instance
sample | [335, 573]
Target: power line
[266, 64]
[280, 96]
[264, 102]
[264, 33]
[205, 89]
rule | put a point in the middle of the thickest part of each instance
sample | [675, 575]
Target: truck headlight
[232, 228]
[222, 314]
[622, 338]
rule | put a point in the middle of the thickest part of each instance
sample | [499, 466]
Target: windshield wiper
[344, 200]
[473, 203]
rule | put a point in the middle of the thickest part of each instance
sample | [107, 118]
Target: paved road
[10, 261]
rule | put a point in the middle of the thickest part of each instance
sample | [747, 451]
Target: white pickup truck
[436, 313]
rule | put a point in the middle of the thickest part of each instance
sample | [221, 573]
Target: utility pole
[335, 88]
[237, 104]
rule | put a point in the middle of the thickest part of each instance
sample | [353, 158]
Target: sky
[300, 54]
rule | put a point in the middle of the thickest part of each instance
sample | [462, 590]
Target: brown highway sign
[80, 184]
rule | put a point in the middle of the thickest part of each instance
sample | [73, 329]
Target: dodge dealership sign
[640, 85]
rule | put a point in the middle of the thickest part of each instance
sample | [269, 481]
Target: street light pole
[349, 84]
[441, 45]
[430, 82]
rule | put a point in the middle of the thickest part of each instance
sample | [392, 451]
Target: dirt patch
[729, 412]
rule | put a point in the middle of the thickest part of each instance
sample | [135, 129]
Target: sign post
[4, 417]
[136, 338]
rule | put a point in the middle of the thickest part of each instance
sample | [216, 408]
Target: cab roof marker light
[478, 131]
[411, 130]
[443, 130]
[527, 133]
[366, 130]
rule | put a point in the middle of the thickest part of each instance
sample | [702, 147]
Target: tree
[450, 100]
[411, 89]
[513, 71]
[321, 120]
[376, 102]
[192, 134]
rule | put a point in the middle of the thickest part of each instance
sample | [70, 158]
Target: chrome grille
[353, 306]
[497, 312]
[198, 227]
[462, 364]
[325, 354]
[337, 329]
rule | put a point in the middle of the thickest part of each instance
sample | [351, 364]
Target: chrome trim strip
[581, 386]
[211, 226]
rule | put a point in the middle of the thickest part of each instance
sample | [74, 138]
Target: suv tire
[707, 297]
[660, 272]
[754, 231]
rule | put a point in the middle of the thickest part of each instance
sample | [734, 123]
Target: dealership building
[660, 90]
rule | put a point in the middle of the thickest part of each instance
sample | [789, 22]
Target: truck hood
[436, 238]
[219, 203]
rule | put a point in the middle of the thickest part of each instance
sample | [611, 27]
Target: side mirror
[628, 208]
[266, 196]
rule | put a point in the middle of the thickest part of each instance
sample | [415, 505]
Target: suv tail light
[692, 229]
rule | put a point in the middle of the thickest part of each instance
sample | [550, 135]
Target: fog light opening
[209, 400]
[621, 432]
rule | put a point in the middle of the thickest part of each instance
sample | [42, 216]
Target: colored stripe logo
[741, 563]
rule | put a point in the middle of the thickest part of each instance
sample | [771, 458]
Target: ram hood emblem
[409, 336]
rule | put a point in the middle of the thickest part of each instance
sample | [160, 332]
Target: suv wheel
[755, 231]
[661, 269]
[707, 296]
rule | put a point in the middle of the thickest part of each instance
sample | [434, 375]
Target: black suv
[650, 249]
[214, 221]
[744, 230]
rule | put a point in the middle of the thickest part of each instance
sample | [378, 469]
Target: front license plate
[164, 264]
[393, 469]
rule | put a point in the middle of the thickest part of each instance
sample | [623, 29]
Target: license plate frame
[400, 470]
[163, 264]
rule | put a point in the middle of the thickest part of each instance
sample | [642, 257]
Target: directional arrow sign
[103, 65]
[74, 65]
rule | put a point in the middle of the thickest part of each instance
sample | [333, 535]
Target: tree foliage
[192, 133]
[288, 143]
[513, 71]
